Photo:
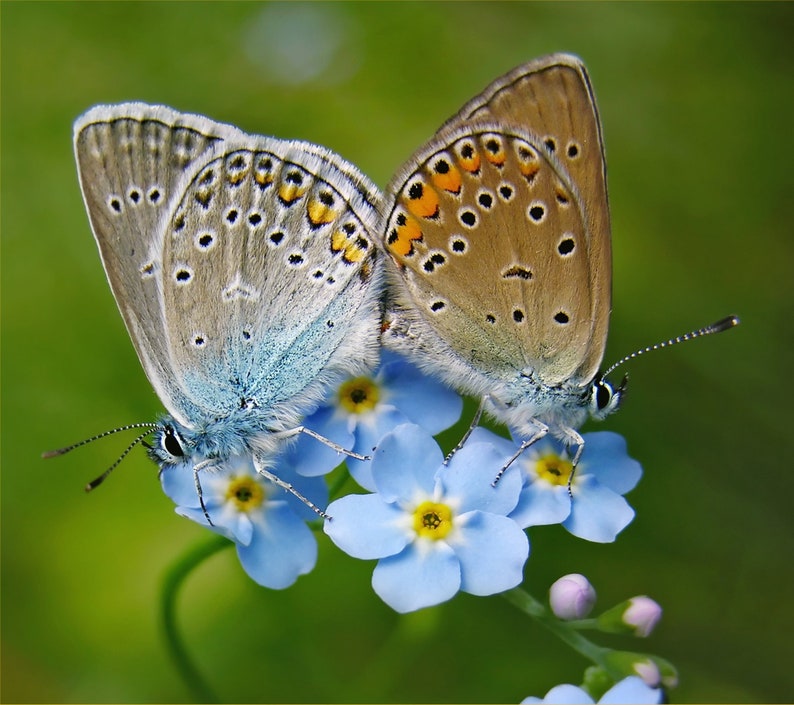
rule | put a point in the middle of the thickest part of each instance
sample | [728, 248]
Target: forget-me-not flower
[364, 409]
[594, 509]
[436, 529]
[266, 523]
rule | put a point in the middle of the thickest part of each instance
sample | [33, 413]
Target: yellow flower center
[432, 520]
[359, 395]
[246, 493]
[553, 469]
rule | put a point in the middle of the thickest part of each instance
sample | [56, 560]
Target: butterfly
[498, 232]
[244, 268]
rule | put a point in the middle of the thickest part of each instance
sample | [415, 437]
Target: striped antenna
[99, 480]
[718, 327]
[62, 451]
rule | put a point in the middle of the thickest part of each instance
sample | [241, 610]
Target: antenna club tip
[726, 323]
[52, 453]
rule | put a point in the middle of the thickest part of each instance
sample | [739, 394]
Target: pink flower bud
[649, 672]
[572, 597]
[642, 613]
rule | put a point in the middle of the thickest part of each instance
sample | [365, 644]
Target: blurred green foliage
[697, 103]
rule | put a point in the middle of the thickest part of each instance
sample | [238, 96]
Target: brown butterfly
[499, 232]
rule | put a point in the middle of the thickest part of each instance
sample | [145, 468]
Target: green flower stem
[338, 483]
[563, 630]
[176, 575]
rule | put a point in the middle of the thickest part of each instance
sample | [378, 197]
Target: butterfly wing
[212, 308]
[273, 238]
[130, 157]
[500, 229]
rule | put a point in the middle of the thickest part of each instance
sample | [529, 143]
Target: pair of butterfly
[252, 272]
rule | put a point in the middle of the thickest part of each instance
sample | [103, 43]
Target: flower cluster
[434, 527]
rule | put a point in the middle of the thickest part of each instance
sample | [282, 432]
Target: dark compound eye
[171, 443]
[603, 396]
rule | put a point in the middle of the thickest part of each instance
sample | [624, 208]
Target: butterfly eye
[171, 444]
[604, 399]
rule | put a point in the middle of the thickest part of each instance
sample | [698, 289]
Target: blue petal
[485, 435]
[369, 432]
[424, 401]
[425, 573]
[313, 488]
[237, 525]
[281, 549]
[178, 484]
[492, 551]
[541, 503]
[597, 513]
[632, 690]
[605, 456]
[468, 480]
[310, 457]
[196, 514]
[406, 462]
[364, 526]
[563, 695]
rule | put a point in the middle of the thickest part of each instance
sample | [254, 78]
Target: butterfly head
[239, 433]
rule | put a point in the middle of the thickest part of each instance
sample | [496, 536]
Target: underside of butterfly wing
[275, 242]
[243, 266]
[552, 98]
[130, 157]
[491, 245]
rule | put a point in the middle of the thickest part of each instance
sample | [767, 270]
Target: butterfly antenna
[62, 451]
[98, 481]
[718, 327]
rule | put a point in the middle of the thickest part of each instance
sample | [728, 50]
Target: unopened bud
[642, 613]
[572, 597]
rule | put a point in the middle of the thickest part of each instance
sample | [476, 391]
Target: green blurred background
[697, 103]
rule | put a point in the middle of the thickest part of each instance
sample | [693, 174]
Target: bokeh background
[697, 103]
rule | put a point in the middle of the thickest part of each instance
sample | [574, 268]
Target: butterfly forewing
[484, 229]
[263, 231]
[130, 158]
[552, 98]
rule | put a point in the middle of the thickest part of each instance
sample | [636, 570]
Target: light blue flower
[267, 524]
[436, 528]
[630, 690]
[595, 508]
[364, 409]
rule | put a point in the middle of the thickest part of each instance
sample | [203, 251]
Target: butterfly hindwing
[552, 98]
[472, 230]
[274, 241]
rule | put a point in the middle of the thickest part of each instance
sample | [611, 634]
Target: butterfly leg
[573, 438]
[542, 430]
[325, 441]
[466, 435]
[197, 468]
[276, 480]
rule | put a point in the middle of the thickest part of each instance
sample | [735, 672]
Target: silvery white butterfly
[244, 268]
[499, 231]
